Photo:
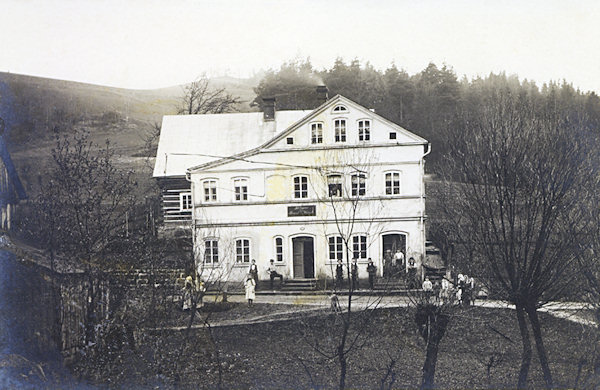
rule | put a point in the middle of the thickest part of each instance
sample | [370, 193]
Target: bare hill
[36, 109]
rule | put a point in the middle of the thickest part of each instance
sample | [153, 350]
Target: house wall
[173, 217]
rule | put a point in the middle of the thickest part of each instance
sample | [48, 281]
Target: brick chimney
[269, 109]
[322, 93]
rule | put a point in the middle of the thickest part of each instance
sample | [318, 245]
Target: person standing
[274, 274]
[254, 272]
[399, 259]
[339, 274]
[354, 274]
[187, 293]
[250, 286]
[371, 269]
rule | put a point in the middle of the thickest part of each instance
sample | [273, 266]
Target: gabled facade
[341, 172]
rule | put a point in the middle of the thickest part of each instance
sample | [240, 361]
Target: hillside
[36, 109]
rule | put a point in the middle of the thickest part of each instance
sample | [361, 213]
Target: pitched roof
[190, 140]
[309, 116]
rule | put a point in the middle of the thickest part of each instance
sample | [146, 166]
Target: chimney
[269, 109]
[322, 94]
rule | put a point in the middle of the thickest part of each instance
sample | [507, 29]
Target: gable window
[242, 250]
[340, 108]
[359, 184]
[210, 190]
[340, 130]
[316, 133]
[278, 249]
[334, 184]
[392, 135]
[185, 201]
[336, 248]
[211, 251]
[359, 247]
[364, 130]
[392, 183]
[300, 187]
[240, 189]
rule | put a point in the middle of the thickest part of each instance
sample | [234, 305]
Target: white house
[339, 173]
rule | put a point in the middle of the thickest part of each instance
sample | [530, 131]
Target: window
[359, 247]
[290, 140]
[300, 187]
[185, 201]
[334, 182]
[340, 108]
[336, 248]
[392, 183]
[316, 133]
[211, 251]
[364, 130]
[242, 250]
[359, 184]
[278, 249]
[340, 130]
[210, 190]
[240, 189]
[393, 135]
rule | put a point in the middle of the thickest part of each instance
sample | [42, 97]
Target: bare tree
[199, 98]
[514, 175]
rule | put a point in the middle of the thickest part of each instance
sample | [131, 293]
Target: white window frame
[393, 189]
[278, 250]
[358, 187]
[335, 248]
[185, 201]
[360, 246]
[340, 108]
[207, 196]
[241, 183]
[364, 130]
[339, 126]
[316, 133]
[335, 179]
[302, 192]
[213, 248]
[243, 257]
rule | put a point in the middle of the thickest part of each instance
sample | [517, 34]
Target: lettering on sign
[302, 211]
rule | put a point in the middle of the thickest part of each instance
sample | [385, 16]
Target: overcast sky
[150, 44]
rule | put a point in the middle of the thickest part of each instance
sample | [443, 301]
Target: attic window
[340, 108]
[393, 135]
[290, 140]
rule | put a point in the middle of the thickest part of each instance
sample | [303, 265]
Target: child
[250, 286]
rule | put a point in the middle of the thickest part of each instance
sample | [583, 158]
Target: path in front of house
[315, 305]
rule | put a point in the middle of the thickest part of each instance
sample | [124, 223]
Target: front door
[303, 256]
[391, 243]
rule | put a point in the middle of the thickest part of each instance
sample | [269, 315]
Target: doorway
[303, 255]
[391, 243]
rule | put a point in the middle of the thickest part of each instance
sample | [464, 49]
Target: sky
[146, 44]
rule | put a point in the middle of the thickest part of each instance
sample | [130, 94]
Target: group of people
[251, 281]
[462, 290]
[354, 281]
[192, 291]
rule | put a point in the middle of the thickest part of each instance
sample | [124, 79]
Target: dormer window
[340, 130]
[340, 108]
[316, 133]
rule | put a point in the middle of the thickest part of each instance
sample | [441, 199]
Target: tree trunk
[526, 354]
[539, 343]
[427, 382]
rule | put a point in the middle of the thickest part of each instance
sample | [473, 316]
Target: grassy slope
[36, 109]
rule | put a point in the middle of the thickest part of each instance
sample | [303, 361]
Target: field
[480, 350]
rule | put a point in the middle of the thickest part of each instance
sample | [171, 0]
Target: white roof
[191, 140]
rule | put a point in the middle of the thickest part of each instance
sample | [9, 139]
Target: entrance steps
[392, 284]
[304, 284]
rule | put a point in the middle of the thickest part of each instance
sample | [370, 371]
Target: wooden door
[298, 256]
